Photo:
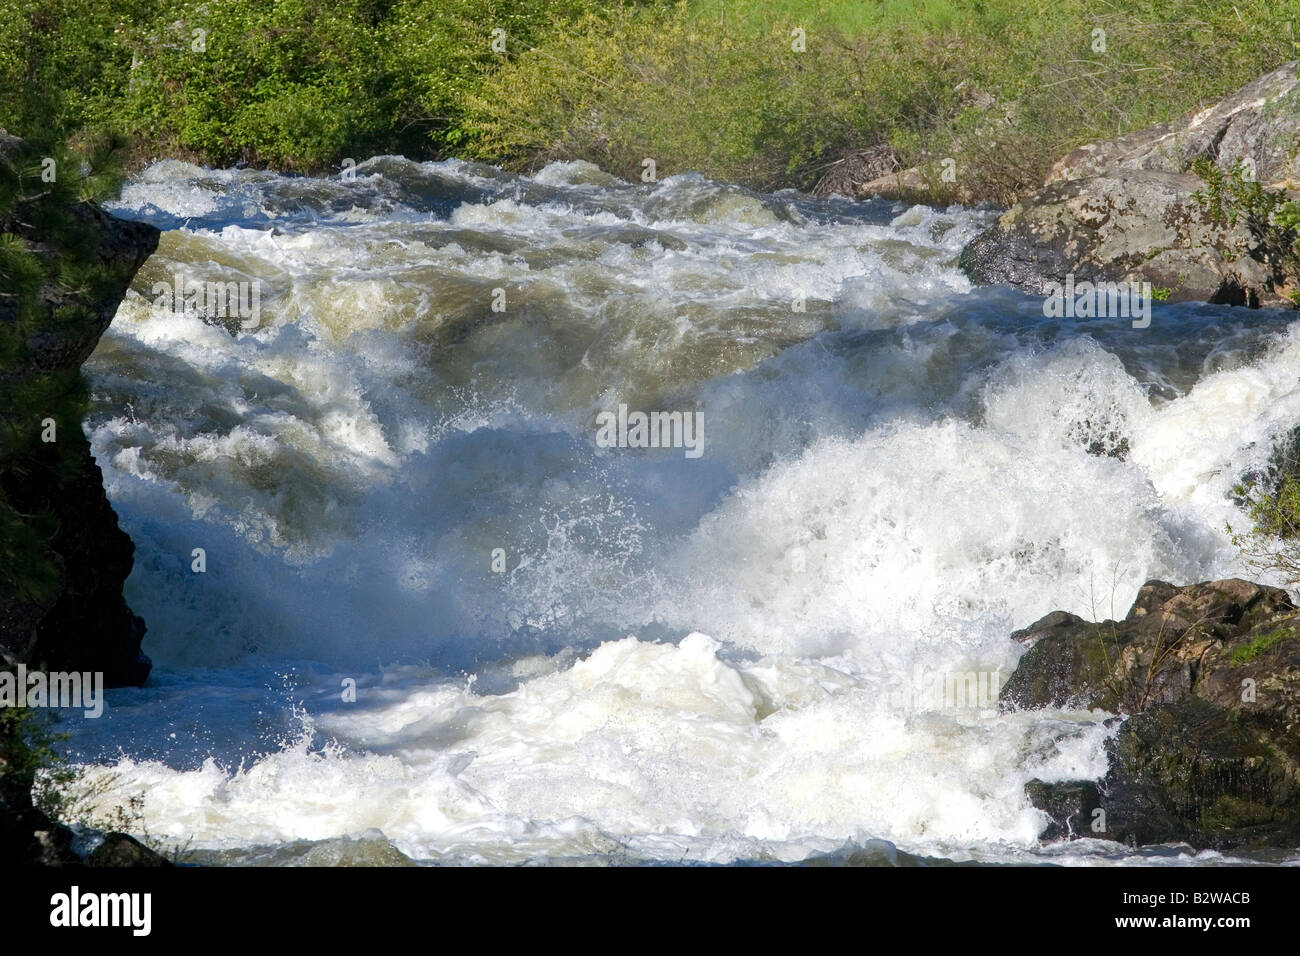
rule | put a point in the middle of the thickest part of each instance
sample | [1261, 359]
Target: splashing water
[563, 650]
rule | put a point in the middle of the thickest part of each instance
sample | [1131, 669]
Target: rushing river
[563, 650]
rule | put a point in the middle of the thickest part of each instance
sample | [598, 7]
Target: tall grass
[1002, 88]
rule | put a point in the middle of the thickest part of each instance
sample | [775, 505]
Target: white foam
[876, 504]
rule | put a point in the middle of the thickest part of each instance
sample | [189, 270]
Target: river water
[567, 651]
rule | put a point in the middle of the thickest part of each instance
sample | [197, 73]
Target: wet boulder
[1209, 676]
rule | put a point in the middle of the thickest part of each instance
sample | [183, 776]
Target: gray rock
[1130, 227]
[1258, 124]
[1124, 210]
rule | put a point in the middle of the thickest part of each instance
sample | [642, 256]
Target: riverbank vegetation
[769, 93]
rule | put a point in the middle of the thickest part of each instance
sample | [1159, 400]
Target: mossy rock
[1211, 676]
[1158, 652]
[1196, 773]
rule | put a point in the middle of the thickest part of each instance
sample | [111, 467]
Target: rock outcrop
[119, 849]
[1210, 676]
[64, 268]
[1125, 210]
[61, 602]
[1256, 125]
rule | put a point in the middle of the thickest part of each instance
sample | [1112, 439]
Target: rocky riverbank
[1208, 675]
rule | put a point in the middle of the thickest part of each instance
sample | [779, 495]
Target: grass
[1246, 653]
[919, 17]
[1002, 88]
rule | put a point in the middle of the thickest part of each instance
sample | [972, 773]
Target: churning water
[564, 650]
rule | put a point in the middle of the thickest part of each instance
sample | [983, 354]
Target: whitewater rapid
[567, 651]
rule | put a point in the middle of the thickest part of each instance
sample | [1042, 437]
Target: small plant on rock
[1234, 196]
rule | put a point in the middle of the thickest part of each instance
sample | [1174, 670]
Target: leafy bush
[1273, 542]
[439, 52]
[632, 83]
[1002, 87]
[30, 760]
[1232, 196]
[292, 83]
[61, 60]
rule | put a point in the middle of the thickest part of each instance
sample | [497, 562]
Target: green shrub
[633, 83]
[1001, 87]
[292, 83]
[1232, 196]
[1273, 541]
[439, 52]
[30, 759]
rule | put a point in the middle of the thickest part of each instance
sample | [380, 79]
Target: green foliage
[32, 205]
[1273, 541]
[59, 60]
[638, 82]
[289, 83]
[21, 272]
[1003, 87]
[31, 761]
[439, 53]
[26, 571]
[1234, 196]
